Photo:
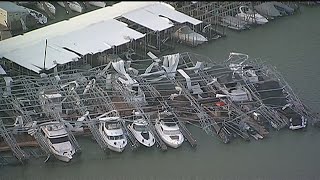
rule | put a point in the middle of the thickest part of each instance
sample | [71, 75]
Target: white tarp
[148, 20]
[162, 9]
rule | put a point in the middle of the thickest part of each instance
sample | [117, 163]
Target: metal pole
[45, 55]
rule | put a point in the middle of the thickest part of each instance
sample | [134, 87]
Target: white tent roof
[162, 9]
[91, 32]
[97, 37]
[32, 56]
[148, 20]
[70, 25]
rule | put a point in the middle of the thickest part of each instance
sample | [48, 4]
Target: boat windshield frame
[58, 140]
[171, 132]
[140, 128]
[112, 126]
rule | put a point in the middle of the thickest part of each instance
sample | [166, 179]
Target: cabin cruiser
[75, 6]
[57, 136]
[250, 16]
[51, 7]
[112, 133]
[141, 132]
[97, 3]
[41, 19]
[186, 34]
[169, 130]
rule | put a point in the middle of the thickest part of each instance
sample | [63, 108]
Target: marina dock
[237, 98]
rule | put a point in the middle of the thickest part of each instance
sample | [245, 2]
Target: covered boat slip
[66, 48]
[157, 21]
[88, 33]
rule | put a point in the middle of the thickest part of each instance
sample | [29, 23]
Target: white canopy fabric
[148, 20]
[32, 57]
[162, 9]
[89, 33]
[97, 37]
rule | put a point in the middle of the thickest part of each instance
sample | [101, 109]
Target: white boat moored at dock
[57, 136]
[250, 16]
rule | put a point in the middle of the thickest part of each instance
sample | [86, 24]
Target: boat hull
[173, 144]
[116, 149]
[146, 142]
[97, 3]
[63, 158]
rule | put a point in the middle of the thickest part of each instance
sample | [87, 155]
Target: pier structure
[228, 117]
[210, 12]
[240, 97]
[191, 107]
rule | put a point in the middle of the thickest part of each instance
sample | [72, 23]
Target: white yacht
[51, 7]
[168, 130]
[251, 17]
[57, 136]
[141, 132]
[75, 6]
[186, 34]
[97, 3]
[112, 133]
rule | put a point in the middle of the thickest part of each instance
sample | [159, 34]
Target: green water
[292, 44]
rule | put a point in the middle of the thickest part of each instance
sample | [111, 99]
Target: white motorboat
[141, 132]
[112, 133]
[75, 6]
[41, 19]
[186, 34]
[51, 7]
[251, 17]
[97, 3]
[57, 136]
[168, 130]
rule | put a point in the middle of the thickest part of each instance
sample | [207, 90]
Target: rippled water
[290, 43]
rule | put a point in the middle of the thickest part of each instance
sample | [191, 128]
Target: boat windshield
[186, 30]
[59, 140]
[115, 137]
[113, 126]
[171, 132]
[140, 128]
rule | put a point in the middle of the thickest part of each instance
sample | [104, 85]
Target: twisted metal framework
[78, 98]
